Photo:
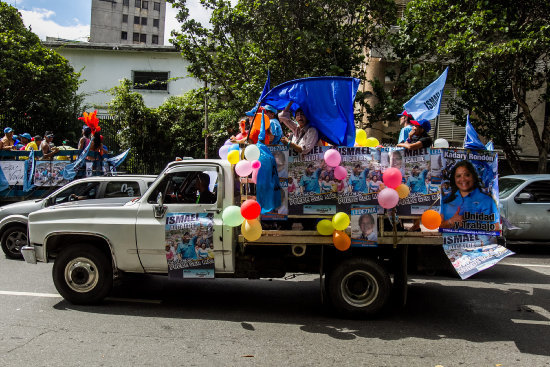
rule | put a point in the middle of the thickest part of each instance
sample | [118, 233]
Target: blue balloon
[234, 147]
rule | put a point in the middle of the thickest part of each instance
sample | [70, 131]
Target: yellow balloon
[325, 228]
[362, 142]
[360, 135]
[372, 142]
[233, 157]
[403, 191]
[340, 221]
[251, 229]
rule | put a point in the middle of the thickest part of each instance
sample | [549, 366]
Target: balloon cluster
[336, 227]
[244, 167]
[333, 158]
[246, 216]
[91, 120]
[362, 140]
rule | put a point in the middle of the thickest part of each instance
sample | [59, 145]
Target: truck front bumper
[29, 254]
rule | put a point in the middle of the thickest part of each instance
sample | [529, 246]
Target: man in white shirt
[305, 136]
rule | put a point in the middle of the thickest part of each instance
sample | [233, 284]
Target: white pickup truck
[92, 246]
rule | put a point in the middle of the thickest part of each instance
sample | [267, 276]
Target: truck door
[189, 226]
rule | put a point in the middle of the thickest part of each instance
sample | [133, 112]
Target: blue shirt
[475, 202]
[358, 182]
[276, 130]
[418, 183]
[187, 250]
[311, 183]
[404, 133]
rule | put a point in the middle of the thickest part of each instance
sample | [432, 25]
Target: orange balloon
[341, 240]
[431, 219]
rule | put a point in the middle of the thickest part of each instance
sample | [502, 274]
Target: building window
[137, 3]
[155, 39]
[136, 20]
[124, 35]
[145, 4]
[124, 18]
[143, 38]
[126, 2]
[156, 6]
[136, 37]
[143, 21]
[155, 23]
[150, 80]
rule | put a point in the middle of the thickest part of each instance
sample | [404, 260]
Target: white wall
[102, 68]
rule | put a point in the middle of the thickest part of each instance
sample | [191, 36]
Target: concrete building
[103, 66]
[128, 22]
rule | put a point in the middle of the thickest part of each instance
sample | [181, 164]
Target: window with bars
[136, 20]
[124, 18]
[123, 35]
[143, 21]
[156, 6]
[155, 39]
[150, 80]
[145, 5]
[135, 37]
[143, 38]
[155, 23]
[137, 3]
[126, 2]
[446, 129]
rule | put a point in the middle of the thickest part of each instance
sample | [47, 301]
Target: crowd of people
[191, 247]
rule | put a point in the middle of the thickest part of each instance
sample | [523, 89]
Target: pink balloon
[256, 165]
[254, 175]
[388, 198]
[243, 168]
[392, 177]
[340, 173]
[332, 157]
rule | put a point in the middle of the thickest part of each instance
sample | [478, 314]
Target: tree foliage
[498, 52]
[36, 83]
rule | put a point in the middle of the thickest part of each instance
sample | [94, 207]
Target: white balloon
[252, 153]
[441, 143]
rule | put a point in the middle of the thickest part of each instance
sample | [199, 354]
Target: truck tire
[83, 274]
[13, 239]
[358, 287]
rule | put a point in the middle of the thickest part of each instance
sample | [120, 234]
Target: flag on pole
[267, 87]
[425, 105]
[27, 178]
[471, 140]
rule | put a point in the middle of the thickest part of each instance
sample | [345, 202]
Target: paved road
[498, 317]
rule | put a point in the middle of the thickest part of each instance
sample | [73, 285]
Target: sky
[70, 19]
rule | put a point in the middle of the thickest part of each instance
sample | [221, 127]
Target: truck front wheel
[83, 274]
[358, 287]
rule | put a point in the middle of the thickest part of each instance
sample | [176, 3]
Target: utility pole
[205, 119]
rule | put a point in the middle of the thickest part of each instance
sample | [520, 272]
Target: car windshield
[507, 185]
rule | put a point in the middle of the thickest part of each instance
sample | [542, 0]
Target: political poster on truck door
[469, 202]
[189, 245]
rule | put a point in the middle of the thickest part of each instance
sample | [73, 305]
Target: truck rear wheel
[13, 239]
[83, 274]
[358, 287]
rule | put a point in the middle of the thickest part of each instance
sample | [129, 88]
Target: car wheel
[358, 287]
[13, 239]
[83, 274]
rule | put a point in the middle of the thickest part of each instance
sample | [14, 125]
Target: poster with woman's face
[469, 192]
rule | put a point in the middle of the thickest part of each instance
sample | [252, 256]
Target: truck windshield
[507, 185]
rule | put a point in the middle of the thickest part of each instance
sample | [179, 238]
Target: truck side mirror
[160, 209]
[523, 197]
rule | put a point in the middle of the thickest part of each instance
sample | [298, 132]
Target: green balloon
[232, 217]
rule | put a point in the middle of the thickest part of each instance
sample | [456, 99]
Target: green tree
[292, 39]
[498, 52]
[35, 82]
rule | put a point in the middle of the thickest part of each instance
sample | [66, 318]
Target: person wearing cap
[46, 147]
[418, 137]
[274, 124]
[7, 142]
[35, 143]
[305, 136]
[406, 127]
[25, 139]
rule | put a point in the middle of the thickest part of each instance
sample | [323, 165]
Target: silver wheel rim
[15, 241]
[359, 288]
[81, 275]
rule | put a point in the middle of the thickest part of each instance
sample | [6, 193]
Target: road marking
[31, 294]
[528, 265]
[538, 310]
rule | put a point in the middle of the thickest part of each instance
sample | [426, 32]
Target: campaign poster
[280, 153]
[472, 253]
[469, 201]
[13, 171]
[364, 225]
[312, 188]
[189, 245]
[364, 179]
[49, 173]
[415, 167]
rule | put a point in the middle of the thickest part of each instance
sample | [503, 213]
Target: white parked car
[13, 217]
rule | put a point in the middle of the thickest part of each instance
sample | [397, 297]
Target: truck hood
[21, 208]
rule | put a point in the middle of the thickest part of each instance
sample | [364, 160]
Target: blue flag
[425, 104]
[69, 172]
[471, 140]
[267, 87]
[27, 178]
[327, 102]
[489, 145]
[117, 160]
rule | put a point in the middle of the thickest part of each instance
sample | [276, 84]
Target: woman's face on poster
[464, 179]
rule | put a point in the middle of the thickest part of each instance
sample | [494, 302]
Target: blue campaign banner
[426, 103]
[189, 245]
[470, 253]
[469, 201]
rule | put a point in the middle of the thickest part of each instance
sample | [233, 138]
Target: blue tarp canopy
[328, 103]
